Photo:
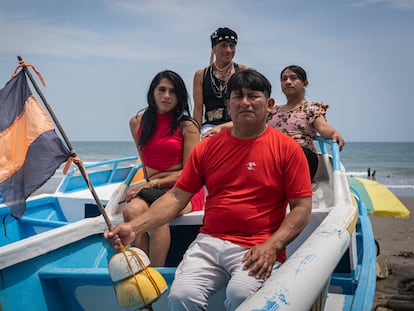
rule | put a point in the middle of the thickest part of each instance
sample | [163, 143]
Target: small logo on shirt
[251, 166]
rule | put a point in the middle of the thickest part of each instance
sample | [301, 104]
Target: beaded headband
[223, 34]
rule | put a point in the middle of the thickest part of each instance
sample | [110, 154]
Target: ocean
[392, 161]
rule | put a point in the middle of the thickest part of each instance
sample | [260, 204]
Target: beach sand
[396, 242]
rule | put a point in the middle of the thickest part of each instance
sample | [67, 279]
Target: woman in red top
[164, 135]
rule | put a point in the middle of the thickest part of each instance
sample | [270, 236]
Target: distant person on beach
[299, 118]
[210, 83]
[374, 173]
[245, 227]
[369, 172]
[164, 135]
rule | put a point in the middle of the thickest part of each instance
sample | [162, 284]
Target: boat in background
[56, 258]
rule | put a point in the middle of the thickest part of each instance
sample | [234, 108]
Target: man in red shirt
[252, 172]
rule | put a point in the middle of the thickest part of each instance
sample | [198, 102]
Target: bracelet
[155, 182]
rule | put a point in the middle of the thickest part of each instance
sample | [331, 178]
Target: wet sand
[396, 242]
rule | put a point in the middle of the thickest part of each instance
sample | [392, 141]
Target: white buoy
[137, 284]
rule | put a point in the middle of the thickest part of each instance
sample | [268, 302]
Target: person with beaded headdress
[210, 83]
[252, 172]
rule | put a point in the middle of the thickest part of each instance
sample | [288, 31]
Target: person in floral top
[300, 118]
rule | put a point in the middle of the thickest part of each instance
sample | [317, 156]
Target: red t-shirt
[248, 184]
[164, 150]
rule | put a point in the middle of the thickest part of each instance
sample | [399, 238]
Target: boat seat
[42, 222]
[73, 273]
[93, 273]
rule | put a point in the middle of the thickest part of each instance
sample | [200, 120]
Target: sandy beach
[396, 242]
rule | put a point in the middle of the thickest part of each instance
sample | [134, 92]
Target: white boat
[56, 258]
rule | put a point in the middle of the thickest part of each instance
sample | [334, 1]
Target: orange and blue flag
[30, 149]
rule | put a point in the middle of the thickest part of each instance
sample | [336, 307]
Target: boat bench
[97, 274]
[43, 223]
[74, 273]
[32, 226]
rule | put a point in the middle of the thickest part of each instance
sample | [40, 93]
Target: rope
[124, 250]
[149, 276]
[71, 159]
[78, 162]
[22, 64]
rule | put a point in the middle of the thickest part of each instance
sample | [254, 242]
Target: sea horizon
[393, 162]
[127, 141]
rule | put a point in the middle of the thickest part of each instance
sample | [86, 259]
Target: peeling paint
[305, 261]
[282, 298]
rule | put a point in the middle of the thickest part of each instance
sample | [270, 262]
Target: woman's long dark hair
[300, 72]
[180, 113]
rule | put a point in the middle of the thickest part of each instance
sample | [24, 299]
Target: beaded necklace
[219, 78]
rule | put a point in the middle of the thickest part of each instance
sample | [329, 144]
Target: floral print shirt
[298, 122]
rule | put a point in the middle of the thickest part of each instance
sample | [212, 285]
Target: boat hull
[56, 258]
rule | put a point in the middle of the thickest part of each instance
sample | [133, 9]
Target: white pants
[206, 127]
[208, 265]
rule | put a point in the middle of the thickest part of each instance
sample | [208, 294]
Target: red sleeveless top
[164, 150]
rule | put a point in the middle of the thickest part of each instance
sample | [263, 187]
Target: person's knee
[134, 209]
[235, 296]
[188, 298]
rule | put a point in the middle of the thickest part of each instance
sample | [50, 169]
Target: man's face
[249, 106]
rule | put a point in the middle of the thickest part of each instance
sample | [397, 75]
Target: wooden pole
[68, 143]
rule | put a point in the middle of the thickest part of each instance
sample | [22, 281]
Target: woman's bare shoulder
[190, 126]
[135, 121]
[189, 123]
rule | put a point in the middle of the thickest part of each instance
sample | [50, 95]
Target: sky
[99, 57]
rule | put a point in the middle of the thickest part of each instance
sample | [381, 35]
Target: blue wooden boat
[56, 258]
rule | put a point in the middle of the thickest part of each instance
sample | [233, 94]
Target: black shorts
[313, 161]
[149, 195]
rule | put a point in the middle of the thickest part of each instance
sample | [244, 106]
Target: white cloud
[48, 37]
[107, 57]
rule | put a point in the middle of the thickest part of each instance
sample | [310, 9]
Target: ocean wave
[400, 186]
[356, 173]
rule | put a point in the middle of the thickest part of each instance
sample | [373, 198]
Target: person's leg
[240, 285]
[159, 244]
[313, 161]
[205, 128]
[134, 209]
[198, 276]
[160, 240]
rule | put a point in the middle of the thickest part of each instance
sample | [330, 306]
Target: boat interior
[66, 221]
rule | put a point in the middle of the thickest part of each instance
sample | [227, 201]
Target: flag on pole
[30, 149]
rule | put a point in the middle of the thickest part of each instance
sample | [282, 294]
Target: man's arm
[198, 96]
[261, 258]
[293, 224]
[163, 210]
